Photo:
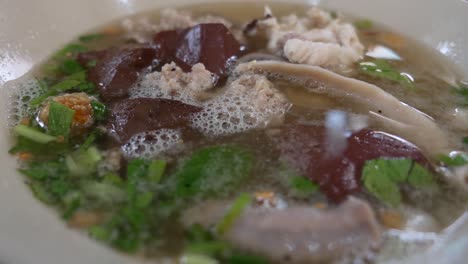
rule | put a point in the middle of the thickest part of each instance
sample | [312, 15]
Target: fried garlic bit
[80, 102]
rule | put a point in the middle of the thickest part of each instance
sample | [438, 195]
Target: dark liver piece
[210, 44]
[118, 69]
[131, 116]
[304, 147]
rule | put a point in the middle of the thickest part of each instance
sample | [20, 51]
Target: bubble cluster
[148, 145]
[147, 88]
[21, 93]
[249, 102]
[228, 114]
[246, 103]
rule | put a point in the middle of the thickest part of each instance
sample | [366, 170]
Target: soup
[283, 135]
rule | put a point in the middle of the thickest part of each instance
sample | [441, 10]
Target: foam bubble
[21, 92]
[245, 103]
[241, 108]
[146, 88]
[148, 145]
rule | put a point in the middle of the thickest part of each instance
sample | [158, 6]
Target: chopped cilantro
[396, 170]
[462, 90]
[99, 110]
[41, 193]
[71, 66]
[83, 162]
[75, 80]
[87, 87]
[103, 193]
[90, 139]
[112, 178]
[72, 81]
[454, 160]
[41, 150]
[137, 169]
[144, 199]
[72, 202]
[212, 171]
[236, 210]
[60, 120]
[382, 176]
[303, 187]
[156, 170]
[420, 176]
[379, 185]
[44, 170]
[33, 134]
[49, 177]
[382, 69]
[465, 140]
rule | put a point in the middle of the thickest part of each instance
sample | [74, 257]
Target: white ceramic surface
[30, 30]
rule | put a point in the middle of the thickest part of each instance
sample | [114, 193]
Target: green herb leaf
[92, 137]
[112, 178]
[365, 24]
[379, 184]
[41, 193]
[382, 69]
[83, 162]
[303, 187]
[465, 140]
[137, 169]
[87, 87]
[100, 233]
[71, 67]
[44, 170]
[213, 171]
[143, 200]
[420, 176]
[33, 134]
[99, 111]
[104, 193]
[68, 83]
[91, 37]
[396, 170]
[60, 120]
[381, 178]
[454, 160]
[462, 90]
[156, 170]
[239, 205]
[72, 202]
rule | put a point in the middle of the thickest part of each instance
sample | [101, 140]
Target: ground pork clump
[247, 101]
[173, 83]
[316, 39]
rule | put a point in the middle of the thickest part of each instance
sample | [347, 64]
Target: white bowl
[31, 30]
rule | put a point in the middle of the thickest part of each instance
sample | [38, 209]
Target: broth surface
[126, 207]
